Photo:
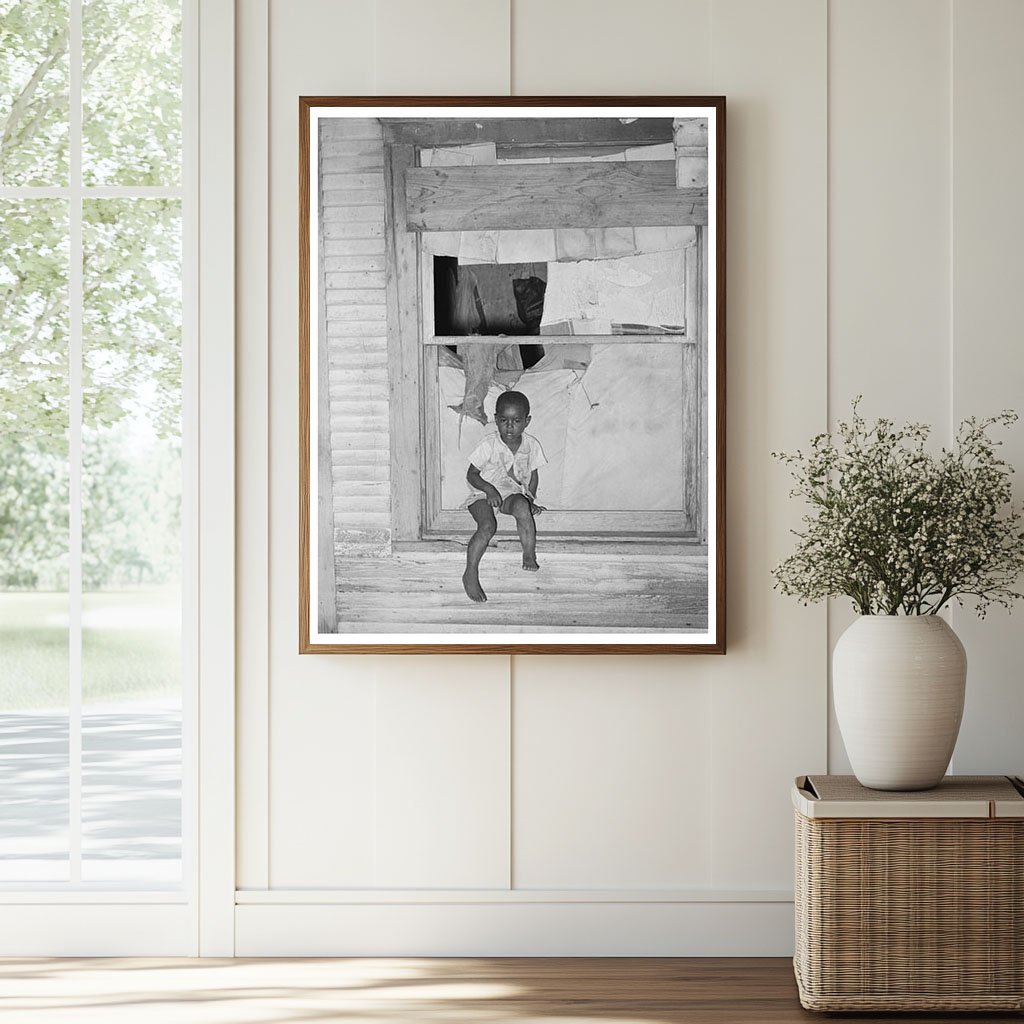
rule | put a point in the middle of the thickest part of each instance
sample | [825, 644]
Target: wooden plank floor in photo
[421, 592]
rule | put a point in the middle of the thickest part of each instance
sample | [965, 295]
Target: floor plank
[415, 991]
[584, 591]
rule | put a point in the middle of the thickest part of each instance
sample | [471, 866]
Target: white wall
[588, 805]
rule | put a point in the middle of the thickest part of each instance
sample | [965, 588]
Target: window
[95, 464]
[609, 360]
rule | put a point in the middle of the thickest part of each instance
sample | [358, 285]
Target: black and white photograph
[512, 379]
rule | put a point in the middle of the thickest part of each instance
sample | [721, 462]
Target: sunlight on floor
[165, 991]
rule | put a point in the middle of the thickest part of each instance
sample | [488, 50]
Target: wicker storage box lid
[957, 796]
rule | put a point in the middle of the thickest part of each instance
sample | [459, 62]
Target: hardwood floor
[421, 592]
[414, 991]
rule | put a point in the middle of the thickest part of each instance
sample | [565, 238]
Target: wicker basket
[910, 901]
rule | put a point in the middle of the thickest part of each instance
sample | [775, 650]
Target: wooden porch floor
[592, 591]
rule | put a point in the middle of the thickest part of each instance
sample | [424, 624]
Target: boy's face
[511, 420]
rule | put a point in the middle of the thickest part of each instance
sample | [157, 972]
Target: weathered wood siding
[642, 193]
[352, 197]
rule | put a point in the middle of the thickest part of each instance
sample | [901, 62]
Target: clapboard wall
[354, 321]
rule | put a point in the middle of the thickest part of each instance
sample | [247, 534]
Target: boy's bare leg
[486, 528]
[519, 506]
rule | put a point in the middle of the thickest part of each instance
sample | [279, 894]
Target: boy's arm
[534, 480]
[476, 481]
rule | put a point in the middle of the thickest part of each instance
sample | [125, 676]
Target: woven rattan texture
[959, 787]
[915, 914]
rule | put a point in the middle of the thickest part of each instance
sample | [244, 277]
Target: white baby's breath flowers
[897, 529]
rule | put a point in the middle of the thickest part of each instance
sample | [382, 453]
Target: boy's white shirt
[508, 472]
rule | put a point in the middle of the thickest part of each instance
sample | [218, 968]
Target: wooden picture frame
[433, 232]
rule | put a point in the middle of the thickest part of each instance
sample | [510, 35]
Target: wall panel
[442, 771]
[319, 810]
[323, 778]
[987, 362]
[889, 209]
[612, 783]
[442, 48]
[769, 692]
[889, 249]
[871, 248]
[577, 47]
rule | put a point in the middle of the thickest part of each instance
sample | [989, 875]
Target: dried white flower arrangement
[899, 530]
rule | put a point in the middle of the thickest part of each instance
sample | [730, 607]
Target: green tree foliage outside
[34, 75]
[131, 310]
[131, 92]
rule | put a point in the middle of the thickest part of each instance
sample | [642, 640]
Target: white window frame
[197, 918]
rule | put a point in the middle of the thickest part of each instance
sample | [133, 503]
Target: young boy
[503, 474]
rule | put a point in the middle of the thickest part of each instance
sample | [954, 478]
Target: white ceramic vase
[898, 684]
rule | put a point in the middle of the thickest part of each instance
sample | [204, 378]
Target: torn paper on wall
[593, 295]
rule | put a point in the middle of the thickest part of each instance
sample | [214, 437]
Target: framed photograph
[512, 375]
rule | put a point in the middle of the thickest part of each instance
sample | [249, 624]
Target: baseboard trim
[515, 928]
[347, 897]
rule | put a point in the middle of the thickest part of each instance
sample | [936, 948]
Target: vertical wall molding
[253, 460]
[216, 478]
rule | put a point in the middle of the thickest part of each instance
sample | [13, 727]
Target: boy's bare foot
[471, 582]
[530, 563]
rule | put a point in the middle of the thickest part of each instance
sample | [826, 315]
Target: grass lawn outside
[131, 647]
